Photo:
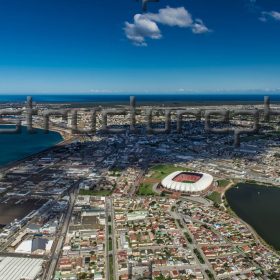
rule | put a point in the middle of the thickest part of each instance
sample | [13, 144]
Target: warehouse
[20, 268]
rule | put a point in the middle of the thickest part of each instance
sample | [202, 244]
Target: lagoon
[18, 146]
[259, 206]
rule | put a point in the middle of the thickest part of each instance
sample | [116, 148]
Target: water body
[18, 146]
[258, 206]
[211, 98]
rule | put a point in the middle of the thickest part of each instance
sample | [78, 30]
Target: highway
[60, 241]
[107, 205]
[113, 252]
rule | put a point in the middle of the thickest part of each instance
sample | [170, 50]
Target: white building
[12, 268]
[193, 183]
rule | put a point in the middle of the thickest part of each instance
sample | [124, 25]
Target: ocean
[174, 98]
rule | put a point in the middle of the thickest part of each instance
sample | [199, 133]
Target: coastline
[251, 228]
[11, 164]
[65, 136]
[146, 99]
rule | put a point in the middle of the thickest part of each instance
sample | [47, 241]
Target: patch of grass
[158, 172]
[179, 223]
[116, 172]
[111, 269]
[223, 183]
[116, 169]
[110, 244]
[146, 189]
[199, 256]
[215, 197]
[188, 237]
[161, 277]
[209, 274]
[162, 170]
[95, 193]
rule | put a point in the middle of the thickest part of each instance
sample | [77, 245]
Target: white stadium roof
[13, 268]
[203, 183]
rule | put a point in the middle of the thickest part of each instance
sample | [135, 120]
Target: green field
[162, 170]
[157, 172]
[223, 183]
[215, 197]
[146, 189]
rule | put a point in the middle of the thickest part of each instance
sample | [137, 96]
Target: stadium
[187, 182]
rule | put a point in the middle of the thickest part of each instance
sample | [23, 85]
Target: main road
[60, 241]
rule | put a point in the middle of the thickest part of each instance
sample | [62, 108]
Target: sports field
[154, 176]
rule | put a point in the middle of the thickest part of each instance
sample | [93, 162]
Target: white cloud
[199, 27]
[172, 17]
[141, 28]
[270, 15]
[146, 25]
[275, 15]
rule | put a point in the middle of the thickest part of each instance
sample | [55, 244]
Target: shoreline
[65, 136]
[145, 99]
[183, 103]
[258, 237]
[11, 164]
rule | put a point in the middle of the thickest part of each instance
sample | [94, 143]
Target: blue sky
[96, 46]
